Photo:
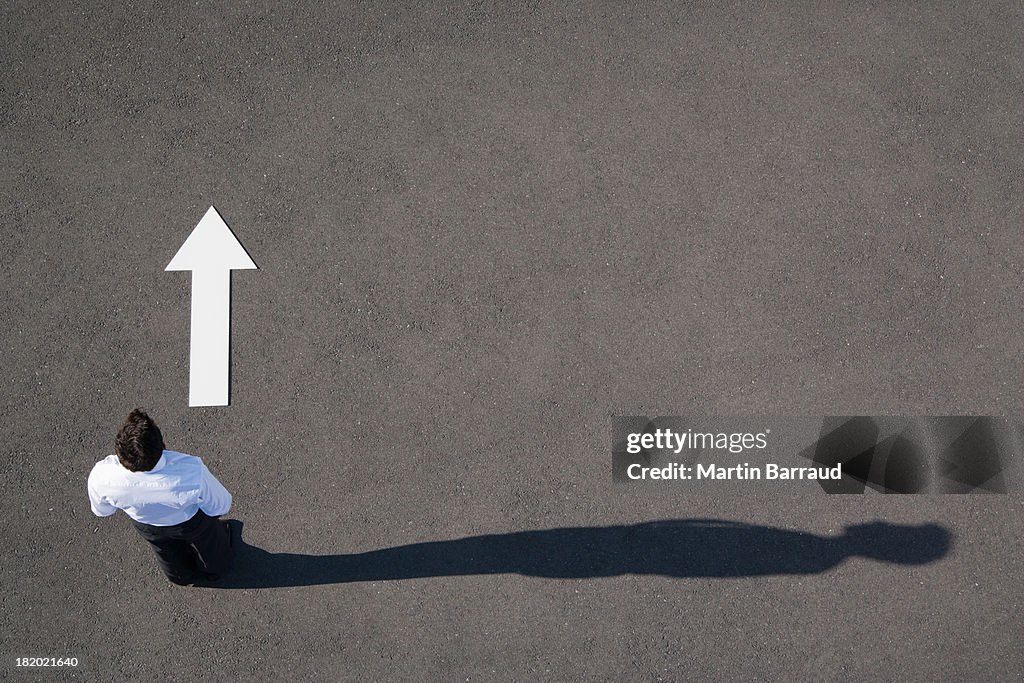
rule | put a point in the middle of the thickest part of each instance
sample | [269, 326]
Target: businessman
[172, 499]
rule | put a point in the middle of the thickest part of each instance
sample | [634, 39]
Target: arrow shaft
[211, 337]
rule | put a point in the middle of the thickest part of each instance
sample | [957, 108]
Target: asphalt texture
[483, 229]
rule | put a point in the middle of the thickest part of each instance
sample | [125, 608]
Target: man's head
[139, 442]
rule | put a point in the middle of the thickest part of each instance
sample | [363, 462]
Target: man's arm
[100, 507]
[214, 499]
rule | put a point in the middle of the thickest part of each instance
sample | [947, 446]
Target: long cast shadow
[678, 548]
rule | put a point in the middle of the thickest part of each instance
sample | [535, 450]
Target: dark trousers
[202, 546]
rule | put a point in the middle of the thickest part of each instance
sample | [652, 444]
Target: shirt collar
[160, 463]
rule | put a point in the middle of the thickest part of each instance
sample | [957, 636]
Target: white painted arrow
[211, 252]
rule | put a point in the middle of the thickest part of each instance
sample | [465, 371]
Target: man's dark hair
[139, 442]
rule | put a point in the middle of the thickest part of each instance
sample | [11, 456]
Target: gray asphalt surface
[482, 230]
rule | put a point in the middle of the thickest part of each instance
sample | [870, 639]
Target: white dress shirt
[170, 493]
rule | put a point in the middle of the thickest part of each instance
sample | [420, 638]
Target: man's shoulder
[106, 465]
[182, 460]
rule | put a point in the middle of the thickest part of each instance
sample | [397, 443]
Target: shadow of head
[896, 543]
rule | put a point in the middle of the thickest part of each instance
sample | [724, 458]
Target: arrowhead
[211, 245]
